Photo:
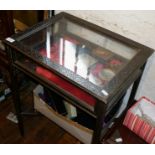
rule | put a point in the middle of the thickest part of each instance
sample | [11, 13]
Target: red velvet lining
[74, 90]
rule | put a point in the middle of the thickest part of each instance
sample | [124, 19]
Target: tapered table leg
[100, 111]
[16, 99]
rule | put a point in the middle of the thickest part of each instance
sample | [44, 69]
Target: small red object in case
[140, 119]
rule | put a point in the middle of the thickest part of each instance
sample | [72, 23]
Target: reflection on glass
[97, 65]
[101, 40]
[61, 51]
[120, 49]
[95, 71]
[85, 33]
[69, 55]
[48, 43]
[83, 64]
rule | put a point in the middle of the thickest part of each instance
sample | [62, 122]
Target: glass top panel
[101, 40]
[96, 58]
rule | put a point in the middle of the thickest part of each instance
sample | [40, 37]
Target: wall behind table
[136, 25]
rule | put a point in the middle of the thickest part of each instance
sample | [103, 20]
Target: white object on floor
[119, 140]
[12, 117]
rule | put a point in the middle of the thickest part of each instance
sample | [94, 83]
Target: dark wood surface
[6, 24]
[6, 29]
[40, 130]
[29, 17]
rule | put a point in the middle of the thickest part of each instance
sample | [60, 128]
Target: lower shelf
[80, 132]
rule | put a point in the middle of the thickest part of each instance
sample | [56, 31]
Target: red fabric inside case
[74, 90]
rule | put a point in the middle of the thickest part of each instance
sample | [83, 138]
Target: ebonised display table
[89, 66]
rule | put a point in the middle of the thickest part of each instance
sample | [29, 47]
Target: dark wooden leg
[116, 121]
[135, 87]
[16, 100]
[130, 103]
[100, 112]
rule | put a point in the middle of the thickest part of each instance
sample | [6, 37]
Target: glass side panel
[94, 57]
[101, 40]
[87, 100]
